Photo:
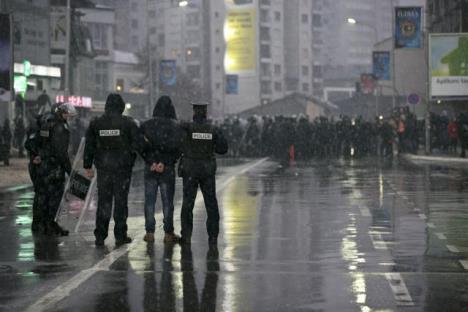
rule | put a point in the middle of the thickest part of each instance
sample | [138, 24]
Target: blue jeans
[166, 183]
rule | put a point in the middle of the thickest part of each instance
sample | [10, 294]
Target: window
[265, 34]
[193, 71]
[134, 23]
[134, 6]
[101, 76]
[305, 70]
[264, 16]
[193, 53]
[317, 20]
[152, 30]
[218, 86]
[278, 86]
[152, 13]
[265, 69]
[265, 51]
[192, 19]
[161, 39]
[305, 18]
[277, 69]
[265, 87]
[277, 16]
[305, 87]
[99, 35]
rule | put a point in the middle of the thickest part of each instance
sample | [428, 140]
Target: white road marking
[453, 248]
[400, 292]
[441, 236]
[62, 291]
[464, 263]
[377, 241]
[365, 212]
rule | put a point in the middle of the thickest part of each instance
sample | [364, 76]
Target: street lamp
[183, 3]
[351, 21]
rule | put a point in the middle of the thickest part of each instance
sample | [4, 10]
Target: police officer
[48, 150]
[111, 142]
[197, 168]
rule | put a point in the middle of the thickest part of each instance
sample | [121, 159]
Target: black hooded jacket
[112, 139]
[163, 133]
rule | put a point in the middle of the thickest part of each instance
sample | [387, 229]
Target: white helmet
[67, 108]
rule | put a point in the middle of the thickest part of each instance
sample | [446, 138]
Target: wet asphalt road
[330, 235]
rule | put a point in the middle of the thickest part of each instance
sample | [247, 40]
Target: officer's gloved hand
[37, 160]
[89, 173]
[157, 167]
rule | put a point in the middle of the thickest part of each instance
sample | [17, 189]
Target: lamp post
[353, 21]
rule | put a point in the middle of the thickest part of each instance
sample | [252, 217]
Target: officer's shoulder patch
[110, 132]
[202, 136]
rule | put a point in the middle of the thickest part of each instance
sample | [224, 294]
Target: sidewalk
[437, 158]
[14, 177]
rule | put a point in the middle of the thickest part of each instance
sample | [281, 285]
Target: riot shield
[78, 195]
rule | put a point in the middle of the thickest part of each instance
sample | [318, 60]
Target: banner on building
[408, 30]
[167, 73]
[5, 57]
[240, 34]
[381, 65]
[448, 65]
[232, 84]
[239, 2]
[367, 84]
[58, 27]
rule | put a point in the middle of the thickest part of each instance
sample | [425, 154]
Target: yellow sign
[240, 34]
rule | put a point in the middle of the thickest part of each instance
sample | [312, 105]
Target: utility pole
[67, 49]
[150, 63]
[427, 120]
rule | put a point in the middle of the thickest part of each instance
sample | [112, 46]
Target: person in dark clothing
[42, 101]
[19, 134]
[198, 168]
[111, 142]
[5, 142]
[49, 161]
[164, 135]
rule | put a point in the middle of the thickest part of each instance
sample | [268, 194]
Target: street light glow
[352, 21]
[183, 3]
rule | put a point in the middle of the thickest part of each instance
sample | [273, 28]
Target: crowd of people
[285, 138]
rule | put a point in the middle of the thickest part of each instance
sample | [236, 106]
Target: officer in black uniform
[48, 150]
[197, 168]
[111, 142]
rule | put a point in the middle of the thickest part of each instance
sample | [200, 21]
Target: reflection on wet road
[335, 235]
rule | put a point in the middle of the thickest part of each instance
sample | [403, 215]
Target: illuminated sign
[77, 101]
[448, 66]
[240, 34]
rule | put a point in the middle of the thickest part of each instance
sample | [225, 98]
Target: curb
[436, 160]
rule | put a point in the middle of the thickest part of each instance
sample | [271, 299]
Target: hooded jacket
[112, 139]
[163, 133]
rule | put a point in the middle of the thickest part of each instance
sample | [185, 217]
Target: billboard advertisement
[240, 34]
[167, 73]
[5, 57]
[448, 55]
[381, 65]
[408, 30]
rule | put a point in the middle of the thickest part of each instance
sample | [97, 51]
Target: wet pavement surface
[329, 235]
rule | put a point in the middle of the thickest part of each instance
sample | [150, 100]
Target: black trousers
[49, 186]
[113, 187]
[208, 187]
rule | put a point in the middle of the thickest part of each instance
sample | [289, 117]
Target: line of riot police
[284, 138]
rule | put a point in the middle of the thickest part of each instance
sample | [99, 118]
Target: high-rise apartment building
[241, 53]
[448, 16]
